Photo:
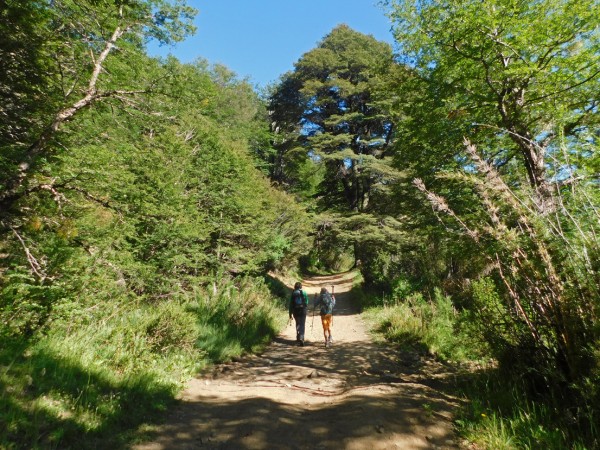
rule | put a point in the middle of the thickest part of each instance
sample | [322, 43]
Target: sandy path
[356, 394]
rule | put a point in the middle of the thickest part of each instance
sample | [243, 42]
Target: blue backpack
[327, 303]
[298, 299]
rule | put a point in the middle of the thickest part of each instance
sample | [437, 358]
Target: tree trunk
[534, 158]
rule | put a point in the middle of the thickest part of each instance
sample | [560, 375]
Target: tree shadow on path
[357, 394]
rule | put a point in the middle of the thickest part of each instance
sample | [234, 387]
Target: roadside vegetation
[499, 410]
[461, 176]
[136, 224]
[145, 205]
[90, 384]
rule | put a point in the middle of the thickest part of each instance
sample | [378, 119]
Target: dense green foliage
[459, 175]
[332, 95]
[414, 322]
[334, 125]
[518, 188]
[480, 163]
[135, 223]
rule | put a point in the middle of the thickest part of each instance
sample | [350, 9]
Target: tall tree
[519, 71]
[507, 115]
[73, 42]
[329, 104]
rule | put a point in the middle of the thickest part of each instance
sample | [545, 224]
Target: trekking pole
[313, 319]
[332, 294]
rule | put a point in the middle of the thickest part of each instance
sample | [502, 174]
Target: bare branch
[439, 204]
[34, 264]
[568, 88]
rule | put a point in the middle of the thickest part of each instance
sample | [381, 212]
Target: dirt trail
[357, 394]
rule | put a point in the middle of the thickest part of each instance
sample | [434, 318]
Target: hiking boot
[330, 340]
[326, 343]
[301, 342]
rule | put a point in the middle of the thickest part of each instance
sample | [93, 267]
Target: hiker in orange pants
[326, 301]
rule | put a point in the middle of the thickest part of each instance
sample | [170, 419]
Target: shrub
[431, 324]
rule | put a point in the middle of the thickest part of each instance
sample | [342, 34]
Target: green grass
[52, 398]
[92, 383]
[497, 413]
[429, 325]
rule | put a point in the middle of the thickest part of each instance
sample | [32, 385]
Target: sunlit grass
[525, 426]
[496, 413]
[91, 384]
[416, 322]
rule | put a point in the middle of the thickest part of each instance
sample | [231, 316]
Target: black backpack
[298, 299]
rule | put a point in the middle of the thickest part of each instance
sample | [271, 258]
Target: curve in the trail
[357, 394]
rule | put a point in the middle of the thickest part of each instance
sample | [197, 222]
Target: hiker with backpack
[326, 301]
[297, 309]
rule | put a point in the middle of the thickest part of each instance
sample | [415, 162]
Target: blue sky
[262, 39]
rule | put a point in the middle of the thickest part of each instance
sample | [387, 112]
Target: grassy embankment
[91, 382]
[497, 414]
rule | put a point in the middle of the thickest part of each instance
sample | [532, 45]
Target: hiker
[298, 307]
[326, 301]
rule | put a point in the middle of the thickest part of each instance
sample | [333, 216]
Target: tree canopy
[458, 173]
[331, 102]
[522, 74]
[120, 172]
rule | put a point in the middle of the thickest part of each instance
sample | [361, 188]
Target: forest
[148, 205]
